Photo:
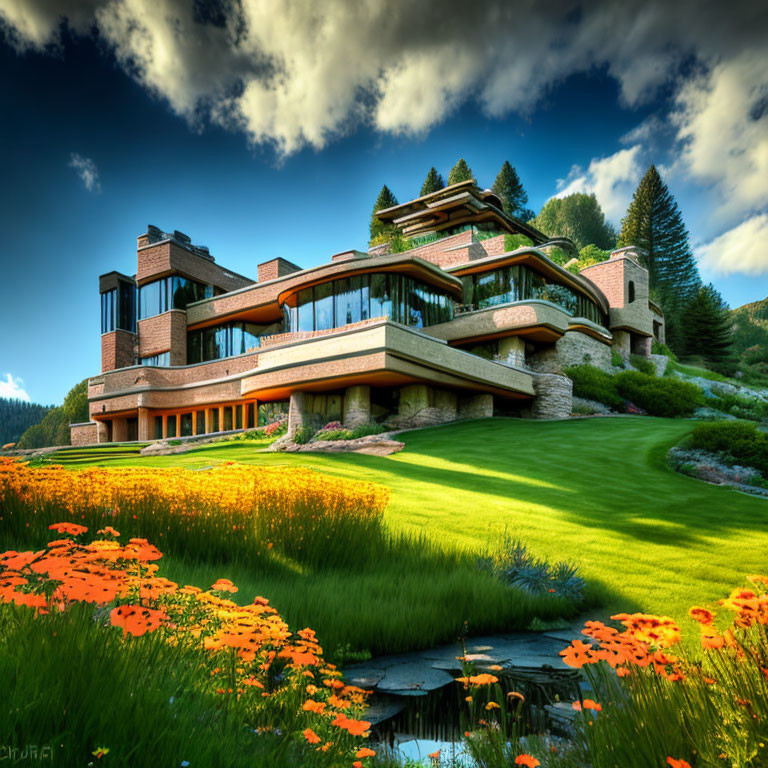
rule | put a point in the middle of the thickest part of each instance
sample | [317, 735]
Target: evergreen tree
[655, 224]
[16, 416]
[578, 216]
[432, 183]
[460, 172]
[54, 428]
[707, 329]
[509, 189]
[385, 200]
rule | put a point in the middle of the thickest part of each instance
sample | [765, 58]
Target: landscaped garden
[375, 555]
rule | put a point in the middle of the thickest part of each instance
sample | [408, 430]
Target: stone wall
[84, 434]
[271, 270]
[357, 406]
[475, 406]
[554, 397]
[574, 348]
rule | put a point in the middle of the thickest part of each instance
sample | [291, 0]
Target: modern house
[465, 323]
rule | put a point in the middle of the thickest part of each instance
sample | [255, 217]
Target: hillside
[751, 334]
[16, 416]
[53, 429]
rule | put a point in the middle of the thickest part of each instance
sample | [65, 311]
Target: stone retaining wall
[554, 397]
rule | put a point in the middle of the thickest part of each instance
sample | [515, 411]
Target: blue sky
[102, 135]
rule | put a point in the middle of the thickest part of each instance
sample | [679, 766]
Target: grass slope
[596, 492]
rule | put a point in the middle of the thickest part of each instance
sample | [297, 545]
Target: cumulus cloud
[87, 170]
[12, 388]
[722, 125]
[298, 73]
[741, 249]
[611, 179]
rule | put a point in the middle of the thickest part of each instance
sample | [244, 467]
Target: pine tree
[460, 172]
[655, 224]
[509, 189]
[385, 200]
[707, 329]
[432, 183]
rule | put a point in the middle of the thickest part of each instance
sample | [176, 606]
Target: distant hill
[750, 336]
[16, 416]
[53, 429]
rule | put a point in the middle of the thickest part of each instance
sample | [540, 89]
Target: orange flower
[314, 706]
[483, 679]
[576, 654]
[224, 585]
[702, 615]
[587, 704]
[527, 761]
[311, 736]
[364, 752]
[73, 529]
[109, 531]
[136, 620]
[677, 763]
[434, 755]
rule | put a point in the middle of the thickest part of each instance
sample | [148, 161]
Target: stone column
[512, 351]
[101, 432]
[446, 405]
[357, 406]
[145, 422]
[299, 412]
[622, 343]
[554, 396]
[643, 345]
[476, 406]
[119, 430]
[414, 399]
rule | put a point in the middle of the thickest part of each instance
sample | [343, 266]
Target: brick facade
[118, 350]
[84, 434]
[271, 270]
[163, 333]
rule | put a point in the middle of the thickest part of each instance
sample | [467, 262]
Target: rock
[660, 362]
[554, 396]
[710, 414]
[414, 677]
[581, 404]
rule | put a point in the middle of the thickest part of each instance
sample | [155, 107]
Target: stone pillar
[357, 406]
[102, 432]
[643, 345]
[300, 412]
[207, 420]
[414, 399]
[145, 425]
[476, 406]
[512, 351]
[622, 343]
[446, 405]
[554, 396]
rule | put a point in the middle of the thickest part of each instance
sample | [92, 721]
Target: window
[350, 300]
[200, 423]
[168, 293]
[214, 412]
[221, 341]
[631, 292]
[186, 424]
[518, 283]
[170, 426]
[164, 358]
[118, 308]
[158, 427]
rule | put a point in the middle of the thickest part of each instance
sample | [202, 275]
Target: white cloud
[13, 388]
[87, 170]
[298, 73]
[612, 180]
[722, 126]
[741, 249]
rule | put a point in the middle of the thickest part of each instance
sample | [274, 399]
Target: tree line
[16, 416]
[697, 318]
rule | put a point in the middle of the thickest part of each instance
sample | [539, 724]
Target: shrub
[643, 364]
[332, 434]
[739, 440]
[302, 435]
[593, 383]
[662, 349]
[513, 242]
[659, 396]
[740, 406]
[276, 428]
[367, 429]
[514, 564]
[617, 359]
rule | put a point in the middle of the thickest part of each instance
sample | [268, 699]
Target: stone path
[395, 678]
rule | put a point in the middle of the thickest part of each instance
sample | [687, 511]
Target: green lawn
[593, 491]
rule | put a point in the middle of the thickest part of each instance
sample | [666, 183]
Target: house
[476, 317]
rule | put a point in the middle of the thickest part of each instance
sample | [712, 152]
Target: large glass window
[168, 293]
[118, 308]
[221, 341]
[164, 358]
[518, 283]
[349, 300]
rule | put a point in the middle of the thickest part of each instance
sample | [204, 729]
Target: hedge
[740, 440]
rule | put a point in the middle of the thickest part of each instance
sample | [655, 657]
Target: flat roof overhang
[381, 354]
[261, 303]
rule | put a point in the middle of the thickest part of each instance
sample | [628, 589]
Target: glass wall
[118, 308]
[520, 282]
[352, 299]
[168, 293]
[164, 358]
[222, 341]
